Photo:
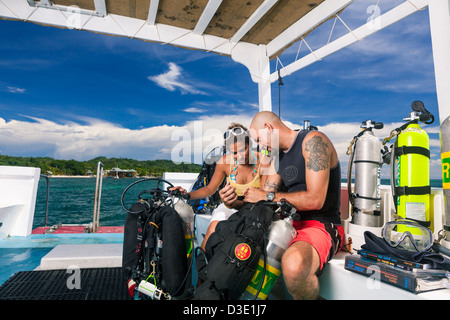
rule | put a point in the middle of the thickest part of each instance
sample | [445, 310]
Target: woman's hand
[183, 191]
[228, 195]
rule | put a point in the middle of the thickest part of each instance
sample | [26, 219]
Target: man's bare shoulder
[317, 151]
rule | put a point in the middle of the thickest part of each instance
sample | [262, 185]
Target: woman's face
[240, 152]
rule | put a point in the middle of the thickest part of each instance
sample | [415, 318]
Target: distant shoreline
[63, 176]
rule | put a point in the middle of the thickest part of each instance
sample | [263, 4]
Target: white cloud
[15, 89]
[72, 140]
[194, 110]
[76, 141]
[188, 142]
[173, 80]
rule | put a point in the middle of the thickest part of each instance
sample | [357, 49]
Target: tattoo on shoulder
[318, 155]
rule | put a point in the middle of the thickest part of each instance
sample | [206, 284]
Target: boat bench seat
[83, 256]
[337, 283]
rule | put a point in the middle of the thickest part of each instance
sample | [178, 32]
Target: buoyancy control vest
[154, 248]
[206, 205]
[232, 253]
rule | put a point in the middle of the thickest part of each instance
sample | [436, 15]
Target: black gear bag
[232, 253]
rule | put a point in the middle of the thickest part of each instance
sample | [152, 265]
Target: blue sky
[75, 94]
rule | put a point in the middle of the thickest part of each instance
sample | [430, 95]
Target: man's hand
[254, 195]
[228, 195]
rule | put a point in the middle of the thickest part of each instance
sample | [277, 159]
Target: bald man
[308, 166]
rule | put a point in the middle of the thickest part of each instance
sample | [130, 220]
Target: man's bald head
[264, 117]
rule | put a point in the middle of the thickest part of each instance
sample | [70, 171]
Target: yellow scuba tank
[413, 175]
[411, 157]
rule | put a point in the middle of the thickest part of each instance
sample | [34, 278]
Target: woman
[242, 169]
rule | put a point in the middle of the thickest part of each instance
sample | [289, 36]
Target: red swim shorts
[325, 237]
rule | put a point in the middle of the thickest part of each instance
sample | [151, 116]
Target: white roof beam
[311, 20]
[206, 16]
[100, 7]
[152, 11]
[396, 14]
[254, 18]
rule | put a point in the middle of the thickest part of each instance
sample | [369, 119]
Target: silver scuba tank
[279, 236]
[366, 157]
[185, 212]
[445, 158]
[187, 215]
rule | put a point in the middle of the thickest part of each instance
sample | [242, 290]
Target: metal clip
[153, 264]
[349, 149]
[442, 234]
[393, 134]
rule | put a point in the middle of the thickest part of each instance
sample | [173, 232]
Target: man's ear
[269, 126]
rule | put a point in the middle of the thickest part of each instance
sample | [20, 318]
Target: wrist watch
[270, 196]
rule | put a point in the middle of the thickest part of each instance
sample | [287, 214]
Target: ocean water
[71, 200]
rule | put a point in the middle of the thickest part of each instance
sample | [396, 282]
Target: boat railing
[46, 201]
[97, 197]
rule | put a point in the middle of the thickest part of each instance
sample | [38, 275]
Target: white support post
[439, 11]
[258, 64]
[264, 89]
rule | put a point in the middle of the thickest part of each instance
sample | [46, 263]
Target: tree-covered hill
[76, 168]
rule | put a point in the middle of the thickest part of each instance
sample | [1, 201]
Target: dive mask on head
[236, 131]
[408, 235]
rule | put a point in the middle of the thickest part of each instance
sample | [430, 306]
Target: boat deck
[96, 284]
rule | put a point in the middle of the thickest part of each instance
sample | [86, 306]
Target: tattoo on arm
[271, 186]
[318, 155]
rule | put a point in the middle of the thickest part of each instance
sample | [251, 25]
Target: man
[309, 168]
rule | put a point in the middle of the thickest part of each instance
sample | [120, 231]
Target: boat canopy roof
[211, 25]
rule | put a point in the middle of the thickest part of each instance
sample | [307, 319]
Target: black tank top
[291, 168]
